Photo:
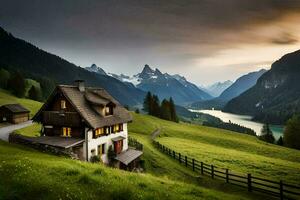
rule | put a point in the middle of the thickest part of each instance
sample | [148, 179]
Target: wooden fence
[134, 143]
[252, 183]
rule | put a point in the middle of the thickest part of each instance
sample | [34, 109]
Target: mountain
[165, 85]
[17, 54]
[241, 85]
[217, 88]
[276, 95]
[96, 69]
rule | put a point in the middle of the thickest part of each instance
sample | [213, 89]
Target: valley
[243, 120]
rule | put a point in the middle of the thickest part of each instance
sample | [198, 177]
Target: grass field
[226, 149]
[7, 98]
[29, 174]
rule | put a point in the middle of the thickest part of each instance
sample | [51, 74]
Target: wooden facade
[90, 114]
[13, 113]
[59, 116]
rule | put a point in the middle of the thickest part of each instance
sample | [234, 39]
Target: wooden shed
[14, 113]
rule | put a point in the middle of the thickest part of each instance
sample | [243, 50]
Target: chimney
[80, 85]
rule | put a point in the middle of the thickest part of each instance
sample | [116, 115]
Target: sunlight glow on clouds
[206, 41]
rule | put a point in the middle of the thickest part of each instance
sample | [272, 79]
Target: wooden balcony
[56, 118]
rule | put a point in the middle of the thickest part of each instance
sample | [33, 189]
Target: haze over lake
[243, 120]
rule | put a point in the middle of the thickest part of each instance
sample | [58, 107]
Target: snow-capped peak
[96, 69]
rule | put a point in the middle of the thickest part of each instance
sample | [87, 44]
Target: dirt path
[155, 133]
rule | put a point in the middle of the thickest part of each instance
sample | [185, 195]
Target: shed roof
[128, 156]
[16, 108]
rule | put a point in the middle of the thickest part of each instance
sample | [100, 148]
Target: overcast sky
[204, 40]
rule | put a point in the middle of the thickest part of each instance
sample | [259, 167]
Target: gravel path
[5, 131]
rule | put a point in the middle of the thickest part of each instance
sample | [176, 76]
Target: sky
[204, 40]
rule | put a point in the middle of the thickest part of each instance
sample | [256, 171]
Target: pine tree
[147, 103]
[165, 111]
[280, 141]
[173, 111]
[155, 106]
[266, 134]
[16, 84]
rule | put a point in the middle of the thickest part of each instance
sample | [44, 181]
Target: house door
[118, 146]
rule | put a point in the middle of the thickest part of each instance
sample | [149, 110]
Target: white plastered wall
[107, 140]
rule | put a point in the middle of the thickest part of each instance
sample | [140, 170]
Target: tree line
[291, 134]
[36, 89]
[229, 126]
[164, 110]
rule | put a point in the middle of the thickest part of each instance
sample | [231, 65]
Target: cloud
[284, 38]
[125, 34]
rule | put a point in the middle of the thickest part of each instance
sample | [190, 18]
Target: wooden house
[88, 121]
[14, 113]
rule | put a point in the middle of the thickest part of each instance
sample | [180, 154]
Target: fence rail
[252, 183]
[134, 143]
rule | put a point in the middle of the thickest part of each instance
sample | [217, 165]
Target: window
[63, 104]
[121, 127]
[107, 130]
[67, 132]
[108, 110]
[101, 149]
[99, 132]
[116, 128]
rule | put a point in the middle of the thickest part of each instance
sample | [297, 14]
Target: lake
[243, 120]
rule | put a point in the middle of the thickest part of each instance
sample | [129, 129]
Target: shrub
[95, 159]
[111, 155]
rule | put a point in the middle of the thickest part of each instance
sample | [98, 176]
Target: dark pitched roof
[85, 107]
[16, 108]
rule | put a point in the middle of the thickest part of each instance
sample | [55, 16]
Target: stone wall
[27, 141]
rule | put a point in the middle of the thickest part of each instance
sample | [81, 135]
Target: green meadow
[28, 173]
[237, 152]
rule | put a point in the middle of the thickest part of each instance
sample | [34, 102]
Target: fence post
[193, 161]
[281, 189]
[227, 176]
[202, 168]
[186, 161]
[179, 158]
[212, 171]
[249, 183]
[169, 151]
[174, 155]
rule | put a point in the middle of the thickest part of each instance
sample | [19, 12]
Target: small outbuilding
[14, 113]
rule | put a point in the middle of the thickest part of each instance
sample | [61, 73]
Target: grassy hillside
[7, 98]
[238, 152]
[164, 178]
[29, 174]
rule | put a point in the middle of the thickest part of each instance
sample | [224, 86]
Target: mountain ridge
[19, 55]
[242, 84]
[276, 95]
[165, 85]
